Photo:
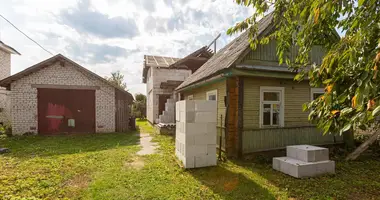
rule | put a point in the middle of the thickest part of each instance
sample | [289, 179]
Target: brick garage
[60, 73]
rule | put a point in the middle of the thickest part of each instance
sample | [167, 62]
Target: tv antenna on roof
[214, 42]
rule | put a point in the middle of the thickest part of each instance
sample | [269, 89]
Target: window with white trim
[212, 95]
[190, 97]
[316, 92]
[271, 106]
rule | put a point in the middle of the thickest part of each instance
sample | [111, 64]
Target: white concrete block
[194, 150]
[196, 128]
[205, 117]
[177, 110]
[189, 105]
[307, 153]
[205, 106]
[300, 169]
[211, 149]
[196, 133]
[205, 139]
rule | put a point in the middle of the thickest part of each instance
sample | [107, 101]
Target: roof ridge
[227, 55]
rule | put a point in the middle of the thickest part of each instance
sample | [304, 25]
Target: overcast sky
[110, 35]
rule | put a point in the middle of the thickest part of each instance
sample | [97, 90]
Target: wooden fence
[276, 138]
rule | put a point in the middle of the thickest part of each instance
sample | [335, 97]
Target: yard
[105, 166]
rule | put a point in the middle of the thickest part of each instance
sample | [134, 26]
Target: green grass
[100, 166]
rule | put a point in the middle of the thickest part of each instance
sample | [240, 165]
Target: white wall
[159, 75]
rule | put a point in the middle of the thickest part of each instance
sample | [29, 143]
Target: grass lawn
[105, 166]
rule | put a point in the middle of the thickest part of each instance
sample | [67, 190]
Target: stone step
[307, 153]
[301, 169]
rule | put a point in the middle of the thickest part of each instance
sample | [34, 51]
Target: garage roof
[57, 58]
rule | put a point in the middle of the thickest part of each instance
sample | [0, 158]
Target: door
[162, 98]
[66, 111]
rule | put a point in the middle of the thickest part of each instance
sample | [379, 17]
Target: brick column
[234, 117]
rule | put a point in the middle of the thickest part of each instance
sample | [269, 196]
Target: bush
[6, 129]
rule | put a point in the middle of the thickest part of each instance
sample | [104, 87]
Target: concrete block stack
[167, 116]
[304, 161]
[196, 133]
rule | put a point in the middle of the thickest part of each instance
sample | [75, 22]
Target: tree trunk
[364, 146]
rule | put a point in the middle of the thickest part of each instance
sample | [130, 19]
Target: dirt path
[147, 146]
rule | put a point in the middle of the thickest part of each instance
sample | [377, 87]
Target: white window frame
[190, 97]
[281, 90]
[212, 92]
[315, 90]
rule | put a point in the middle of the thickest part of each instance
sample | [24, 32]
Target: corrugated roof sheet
[227, 56]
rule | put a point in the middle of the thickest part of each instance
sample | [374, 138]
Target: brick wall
[5, 71]
[24, 97]
[5, 64]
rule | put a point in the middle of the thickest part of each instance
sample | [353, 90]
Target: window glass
[266, 118]
[271, 112]
[212, 97]
[271, 96]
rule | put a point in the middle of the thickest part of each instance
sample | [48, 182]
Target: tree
[139, 106]
[349, 70]
[117, 79]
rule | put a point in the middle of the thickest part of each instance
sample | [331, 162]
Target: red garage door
[66, 111]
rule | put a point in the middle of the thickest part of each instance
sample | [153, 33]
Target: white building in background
[5, 71]
[162, 75]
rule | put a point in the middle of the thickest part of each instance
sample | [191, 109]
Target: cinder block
[196, 128]
[307, 153]
[189, 105]
[205, 106]
[190, 116]
[300, 169]
[197, 139]
[177, 110]
[211, 149]
[205, 139]
[205, 117]
[195, 150]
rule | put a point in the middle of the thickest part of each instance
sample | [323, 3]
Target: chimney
[5, 59]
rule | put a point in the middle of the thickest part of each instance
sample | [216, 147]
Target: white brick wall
[5, 71]
[5, 64]
[24, 97]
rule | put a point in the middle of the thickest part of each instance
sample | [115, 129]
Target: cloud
[95, 53]
[111, 35]
[85, 20]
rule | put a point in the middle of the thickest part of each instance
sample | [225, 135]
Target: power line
[25, 35]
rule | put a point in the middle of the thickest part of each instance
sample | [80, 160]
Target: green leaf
[374, 112]
[346, 111]
[346, 127]
[360, 2]
[304, 107]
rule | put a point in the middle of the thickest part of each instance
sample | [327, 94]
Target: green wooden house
[259, 103]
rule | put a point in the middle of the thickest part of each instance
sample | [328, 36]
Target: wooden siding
[268, 139]
[267, 53]
[296, 94]
[200, 94]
